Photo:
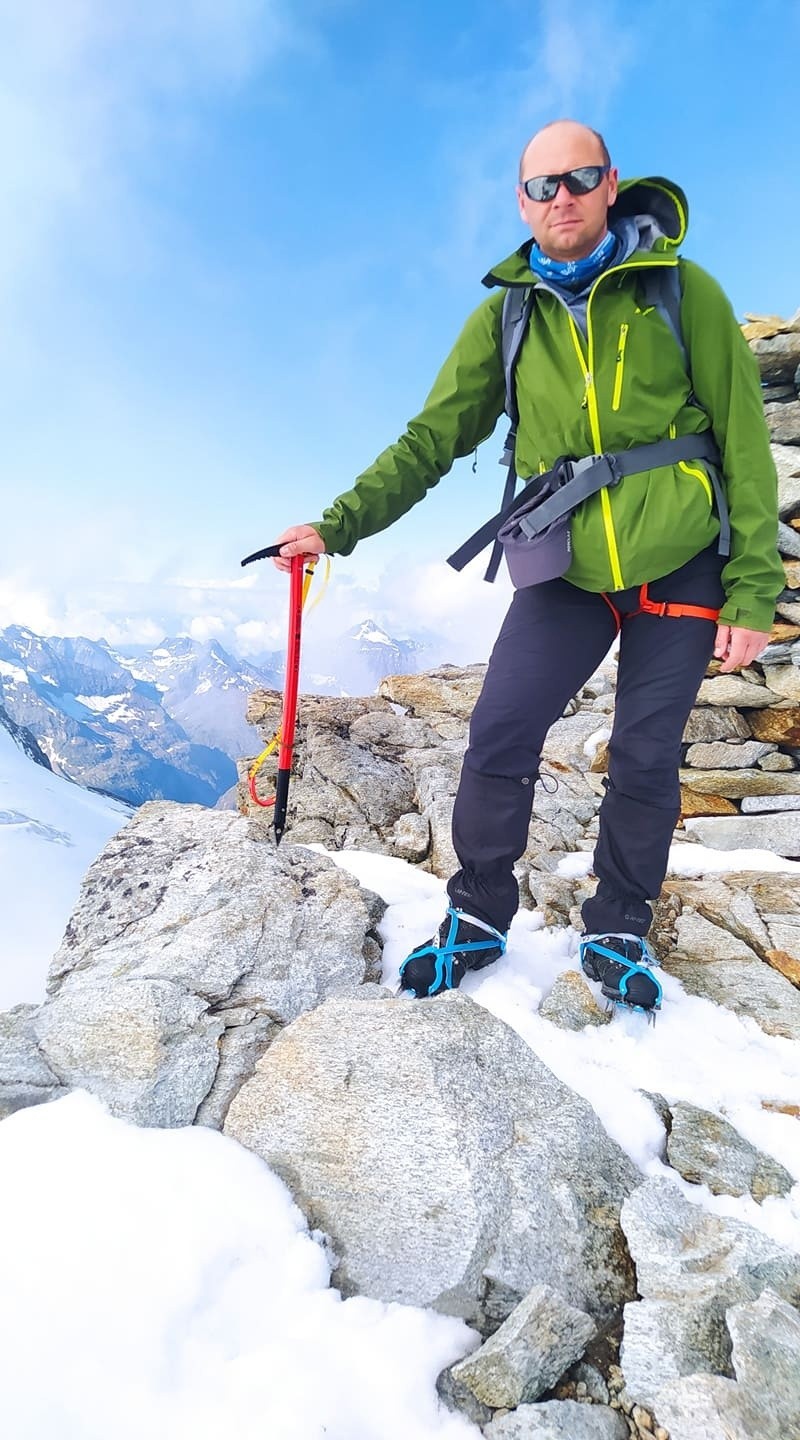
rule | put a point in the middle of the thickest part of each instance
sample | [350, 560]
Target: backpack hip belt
[557, 493]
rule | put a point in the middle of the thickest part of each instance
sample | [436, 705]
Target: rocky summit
[207, 978]
[618, 1288]
[513, 1183]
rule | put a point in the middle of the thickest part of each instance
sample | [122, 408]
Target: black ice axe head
[268, 553]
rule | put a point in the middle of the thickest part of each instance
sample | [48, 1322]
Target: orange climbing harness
[672, 609]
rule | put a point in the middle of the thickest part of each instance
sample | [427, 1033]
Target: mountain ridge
[168, 721]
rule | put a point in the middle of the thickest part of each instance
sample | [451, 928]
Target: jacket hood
[657, 206]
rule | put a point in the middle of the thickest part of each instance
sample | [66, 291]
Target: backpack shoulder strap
[662, 289]
[516, 314]
[517, 307]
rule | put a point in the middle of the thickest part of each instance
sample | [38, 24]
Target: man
[600, 370]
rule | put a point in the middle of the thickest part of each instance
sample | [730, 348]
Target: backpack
[662, 291]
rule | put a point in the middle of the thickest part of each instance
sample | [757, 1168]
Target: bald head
[543, 152]
[568, 225]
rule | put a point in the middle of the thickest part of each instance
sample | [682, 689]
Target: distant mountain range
[204, 689]
[164, 723]
[100, 725]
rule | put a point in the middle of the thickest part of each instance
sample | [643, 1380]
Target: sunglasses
[579, 182]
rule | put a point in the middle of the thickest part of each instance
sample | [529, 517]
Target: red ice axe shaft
[289, 718]
[289, 695]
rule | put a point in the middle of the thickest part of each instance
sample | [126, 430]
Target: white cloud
[461, 608]
[461, 612]
[207, 627]
[254, 637]
[570, 59]
[584, 54]
[83, 84]
[217, 586]
[21, 604]
[51, 613]
[127, 632]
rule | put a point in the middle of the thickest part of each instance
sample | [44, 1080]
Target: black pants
[552, 639]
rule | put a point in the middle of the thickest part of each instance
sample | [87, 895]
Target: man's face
[568, 226]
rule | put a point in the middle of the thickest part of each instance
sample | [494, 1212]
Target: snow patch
[41, 879]
[122, 715]
[190, 1299]
[691, 860]
[13, 672]
[595, 740]
[100, 703]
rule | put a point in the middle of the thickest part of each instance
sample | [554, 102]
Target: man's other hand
[298, 540]
[736, 646]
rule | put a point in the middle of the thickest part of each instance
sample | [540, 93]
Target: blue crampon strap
[631, 969]
[444, 954]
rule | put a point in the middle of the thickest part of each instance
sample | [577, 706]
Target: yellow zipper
[587, 379]
[590, 400]
[693, 471]
[698, 475]
[605, 498]
[620, 369]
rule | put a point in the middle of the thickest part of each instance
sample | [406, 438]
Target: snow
[13, 672]
[697, 1051]
[139, 672]
[693, 860]
[50, 832]
[685, 860]
[115, 707]
[592, 744]
[101, 703]
[369, 631]
[172, 1290]
[123, 714]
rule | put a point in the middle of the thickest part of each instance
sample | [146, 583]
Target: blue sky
[239, 237]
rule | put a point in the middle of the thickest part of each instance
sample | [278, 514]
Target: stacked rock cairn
[740, 782]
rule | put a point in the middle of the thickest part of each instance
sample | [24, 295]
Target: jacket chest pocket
[619, 365]
[643, 375]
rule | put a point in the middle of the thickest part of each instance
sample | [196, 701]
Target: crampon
[621, 963]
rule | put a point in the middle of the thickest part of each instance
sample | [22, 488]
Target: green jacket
[624, 385]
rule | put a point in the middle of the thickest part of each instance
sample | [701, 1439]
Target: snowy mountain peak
[372, 633]
[380, 654]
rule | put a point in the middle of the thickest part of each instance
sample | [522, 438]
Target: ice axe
[284, 735]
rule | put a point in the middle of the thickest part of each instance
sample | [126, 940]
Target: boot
[463, 943]
[620, 963]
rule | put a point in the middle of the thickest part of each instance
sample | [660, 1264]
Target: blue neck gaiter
[575, 274]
